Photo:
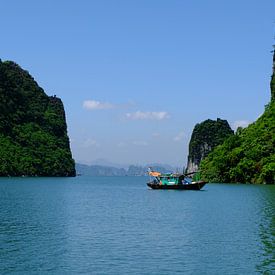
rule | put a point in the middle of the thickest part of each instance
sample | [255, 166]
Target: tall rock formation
[272, 82]
[205, 137]
[249, 155]
[33, 130]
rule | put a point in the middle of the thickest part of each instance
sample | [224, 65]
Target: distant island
[132, 170]
[33, 129]
[248, 156]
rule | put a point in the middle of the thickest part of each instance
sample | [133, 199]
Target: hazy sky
[135, 76]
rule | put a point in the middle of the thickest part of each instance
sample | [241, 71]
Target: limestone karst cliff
[33, 129]
[205, 137]
[249, 155]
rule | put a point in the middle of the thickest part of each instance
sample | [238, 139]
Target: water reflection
[267, 230]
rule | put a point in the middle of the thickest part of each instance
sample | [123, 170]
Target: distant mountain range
[105, 162]
[132, 170]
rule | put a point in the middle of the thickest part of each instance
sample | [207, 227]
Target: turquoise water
[99, 225]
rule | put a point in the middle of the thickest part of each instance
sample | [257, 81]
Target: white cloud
[97, 105]
[121, 144]
[179, 136]
[89, 142]
[156, 135]
[147, 115]
[240, 123]
[140, 143]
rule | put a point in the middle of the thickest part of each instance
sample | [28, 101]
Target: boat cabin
[170, 179]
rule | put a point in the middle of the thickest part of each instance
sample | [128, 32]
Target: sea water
[116, 225]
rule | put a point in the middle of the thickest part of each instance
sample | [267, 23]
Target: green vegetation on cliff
[33, 130]
[249, 155]
[205, 137]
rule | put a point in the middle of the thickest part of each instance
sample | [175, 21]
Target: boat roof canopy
[154, 174]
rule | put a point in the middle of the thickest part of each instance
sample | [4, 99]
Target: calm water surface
[116, 225]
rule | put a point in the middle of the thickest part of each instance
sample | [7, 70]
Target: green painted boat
[175, 181]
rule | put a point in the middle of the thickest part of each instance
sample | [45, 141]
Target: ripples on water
[118, 226]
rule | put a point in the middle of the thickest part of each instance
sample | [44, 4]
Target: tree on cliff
[33, 130]
[249, 155]
[205, 137]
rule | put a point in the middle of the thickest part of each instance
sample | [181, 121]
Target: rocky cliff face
[249, 155]
[206, 136]
[33, 130]
[272, 82]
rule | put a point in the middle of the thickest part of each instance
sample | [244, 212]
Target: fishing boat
[190, 181]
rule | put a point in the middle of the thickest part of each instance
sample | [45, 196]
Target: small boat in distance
[175, 181]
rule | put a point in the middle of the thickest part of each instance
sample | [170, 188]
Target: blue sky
[136, 76]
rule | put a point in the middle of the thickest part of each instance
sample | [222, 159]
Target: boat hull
[192, 186]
